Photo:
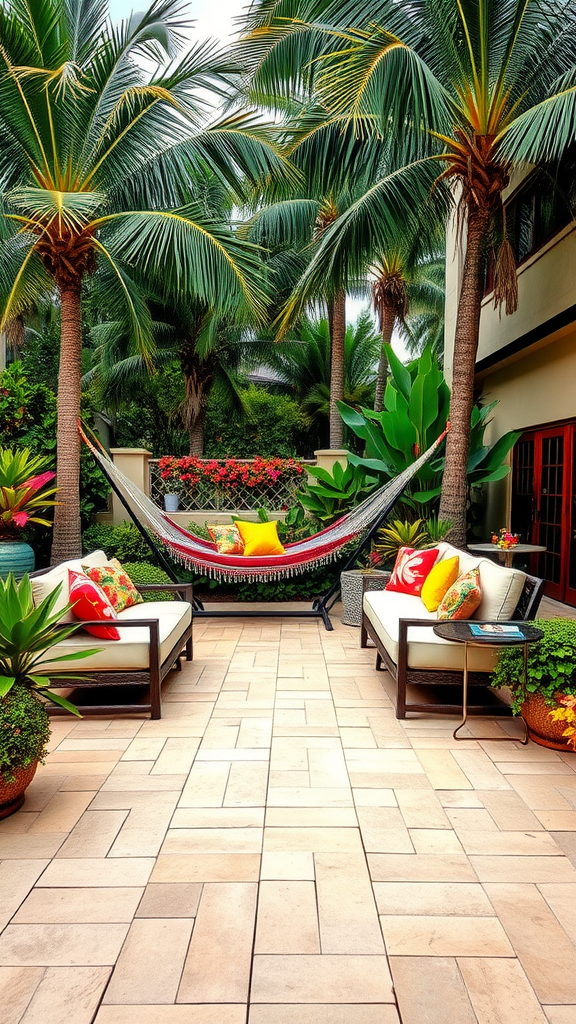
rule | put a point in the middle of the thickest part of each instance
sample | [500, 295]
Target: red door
[543, 495]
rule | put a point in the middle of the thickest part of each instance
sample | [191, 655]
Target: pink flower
[36, 482]
[20, 518]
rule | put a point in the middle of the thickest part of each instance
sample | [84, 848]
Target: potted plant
[23, 496]
[26, 636]
[551, 677]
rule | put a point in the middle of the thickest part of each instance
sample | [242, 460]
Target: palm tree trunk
[197, 435]
[66, 541]
[454, 499]
[388, 321]
[338, 335]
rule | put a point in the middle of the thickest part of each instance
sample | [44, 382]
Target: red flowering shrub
[228, 474]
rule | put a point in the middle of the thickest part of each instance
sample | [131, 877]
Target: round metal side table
[460, 632]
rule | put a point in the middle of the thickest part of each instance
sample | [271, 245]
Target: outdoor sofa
[401, 628]
[153, 637]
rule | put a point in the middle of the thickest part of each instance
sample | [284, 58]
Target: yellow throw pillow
[260, 538]
[438, 581]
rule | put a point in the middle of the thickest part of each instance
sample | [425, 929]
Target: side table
[353, 585]
[459, 632]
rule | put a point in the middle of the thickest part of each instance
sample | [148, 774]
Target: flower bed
[215, 484]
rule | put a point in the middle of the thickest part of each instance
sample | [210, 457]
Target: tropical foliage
[461, 93]
[24, 494]
[27, 634]
[416, 409]
[551, 664]
[97, 156]
[328, 495]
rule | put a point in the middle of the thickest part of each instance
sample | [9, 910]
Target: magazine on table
[496, 630]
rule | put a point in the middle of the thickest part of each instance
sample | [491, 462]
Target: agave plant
[27, 634]
[23, 491]
[401, 535]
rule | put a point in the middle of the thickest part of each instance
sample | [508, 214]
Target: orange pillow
[260, 538]
[463, 598]
[115, 583]
[227, 539]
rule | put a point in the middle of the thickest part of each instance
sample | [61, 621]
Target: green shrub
[551, 664]
[143, 572]
[24, 731]
[28, 420]
[275, 426]
[124, 542]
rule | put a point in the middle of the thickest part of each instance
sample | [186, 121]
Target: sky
[213, 17]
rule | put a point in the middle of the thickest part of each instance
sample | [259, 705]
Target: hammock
[203, 556]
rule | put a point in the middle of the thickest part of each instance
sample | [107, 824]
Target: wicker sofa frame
[526, 610]
[152, 676]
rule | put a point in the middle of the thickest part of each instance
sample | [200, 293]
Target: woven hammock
[203, 556]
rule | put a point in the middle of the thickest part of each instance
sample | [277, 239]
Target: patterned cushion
[438, 581]
[411, 569]
[260, 538]
[227, 539]
[115, 583]
[90, 602]
[463, 598]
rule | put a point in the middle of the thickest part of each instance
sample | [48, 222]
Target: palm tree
[302, 365]
[423, 327]
[95, 156]
[326, 152]
[461, 92]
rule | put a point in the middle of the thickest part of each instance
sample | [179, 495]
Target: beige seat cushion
[501, 587]
[131, 652]
[385, 608]
[45, 584]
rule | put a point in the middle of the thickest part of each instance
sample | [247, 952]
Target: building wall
[546, 287]
[536, 385]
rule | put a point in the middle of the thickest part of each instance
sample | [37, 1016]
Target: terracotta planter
[12, 793]
[541, 728]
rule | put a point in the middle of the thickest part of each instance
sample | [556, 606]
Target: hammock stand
[321, 606]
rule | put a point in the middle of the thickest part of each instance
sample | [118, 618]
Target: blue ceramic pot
[17, 557]
[171, 502]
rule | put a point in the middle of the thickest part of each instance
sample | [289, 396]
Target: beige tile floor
[278, 849]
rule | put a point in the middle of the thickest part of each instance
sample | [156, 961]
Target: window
[544, 205]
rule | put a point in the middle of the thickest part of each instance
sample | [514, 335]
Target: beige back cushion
[501, 587]
[45, 584]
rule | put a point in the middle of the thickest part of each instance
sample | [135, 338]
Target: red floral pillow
[411, 569]
[90, 602]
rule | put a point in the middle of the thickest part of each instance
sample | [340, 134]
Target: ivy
[551, 664]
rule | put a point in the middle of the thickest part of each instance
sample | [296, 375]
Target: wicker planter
[353, 582]
[541, 728]
[12, 793]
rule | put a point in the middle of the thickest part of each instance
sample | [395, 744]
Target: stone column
[133, 462]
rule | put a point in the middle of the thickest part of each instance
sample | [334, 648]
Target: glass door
[542, 505]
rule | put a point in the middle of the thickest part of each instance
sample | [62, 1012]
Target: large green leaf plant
[416, 410]
[27, 634]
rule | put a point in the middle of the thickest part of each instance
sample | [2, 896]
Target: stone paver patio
[280, 850]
